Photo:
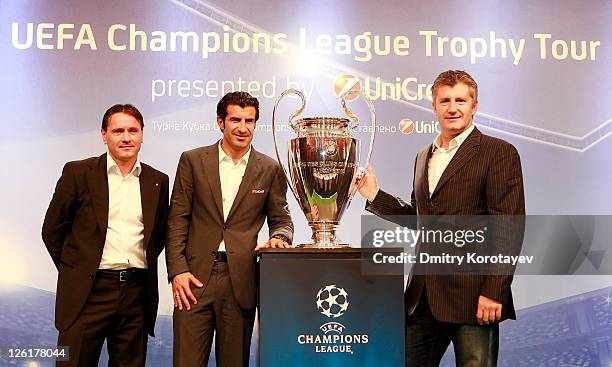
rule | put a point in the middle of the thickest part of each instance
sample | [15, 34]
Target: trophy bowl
[323, 162]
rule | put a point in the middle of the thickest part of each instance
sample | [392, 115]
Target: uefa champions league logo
[332, 301]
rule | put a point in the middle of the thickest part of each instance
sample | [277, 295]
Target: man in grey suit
[222, 195]
[462, 173]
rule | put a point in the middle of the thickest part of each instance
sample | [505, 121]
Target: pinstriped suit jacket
[483, 178]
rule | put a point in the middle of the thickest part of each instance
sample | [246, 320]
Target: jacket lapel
[250, 174]
[465, 152]
[421, 179]
[97, 182]
[149, 197]
[210, 160]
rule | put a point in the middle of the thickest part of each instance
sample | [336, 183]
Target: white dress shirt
[441, 157]
[124, 245]
[231, 177]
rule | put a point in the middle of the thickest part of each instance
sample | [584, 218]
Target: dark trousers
[216, 311]
[114, 311]
[427, 339]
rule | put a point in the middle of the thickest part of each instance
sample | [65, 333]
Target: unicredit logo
[406, 126]
[344, 83]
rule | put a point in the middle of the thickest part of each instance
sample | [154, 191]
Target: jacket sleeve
[394, 209]
[60, 214]
[179, 218]
[506, 205]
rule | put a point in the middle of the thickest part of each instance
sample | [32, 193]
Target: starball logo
[332, 301]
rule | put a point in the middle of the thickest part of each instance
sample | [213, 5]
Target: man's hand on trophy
[181, 292]
[368, 185]
[274, 242]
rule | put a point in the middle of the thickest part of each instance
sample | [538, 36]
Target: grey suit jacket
[483, 178]
[196, 225]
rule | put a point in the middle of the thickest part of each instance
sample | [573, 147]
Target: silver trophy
[323, 166]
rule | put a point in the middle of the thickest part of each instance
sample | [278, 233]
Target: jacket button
[91, 276]
[224, 228]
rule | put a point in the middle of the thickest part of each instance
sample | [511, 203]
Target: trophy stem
[324, 236]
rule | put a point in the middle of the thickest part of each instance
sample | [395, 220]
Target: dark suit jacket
[196, 225]
[74, 232]
[483, 178]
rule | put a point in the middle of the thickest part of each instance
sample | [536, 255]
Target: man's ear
[220, 123]
[103, 133]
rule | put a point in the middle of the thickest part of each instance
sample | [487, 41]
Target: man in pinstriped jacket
[463, 172]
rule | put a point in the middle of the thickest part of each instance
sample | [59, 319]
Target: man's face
[454, 107]
[237, 128]
[123, 136]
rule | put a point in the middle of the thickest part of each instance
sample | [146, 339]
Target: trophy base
[323, 245]
[324, 237]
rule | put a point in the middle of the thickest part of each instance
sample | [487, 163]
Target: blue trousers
[427, 339]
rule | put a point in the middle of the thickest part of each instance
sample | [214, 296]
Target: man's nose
[452, 107]
[125, 137]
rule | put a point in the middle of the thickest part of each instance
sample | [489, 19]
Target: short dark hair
[453, 77]
[128, 109]
[242, 99]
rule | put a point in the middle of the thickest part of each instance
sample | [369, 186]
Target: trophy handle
[362, 171]
[293, 125]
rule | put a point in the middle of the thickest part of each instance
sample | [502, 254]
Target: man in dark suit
[105, 228]
[463, 172]
[222, 195]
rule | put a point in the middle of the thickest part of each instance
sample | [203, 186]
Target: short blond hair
[452, 78]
